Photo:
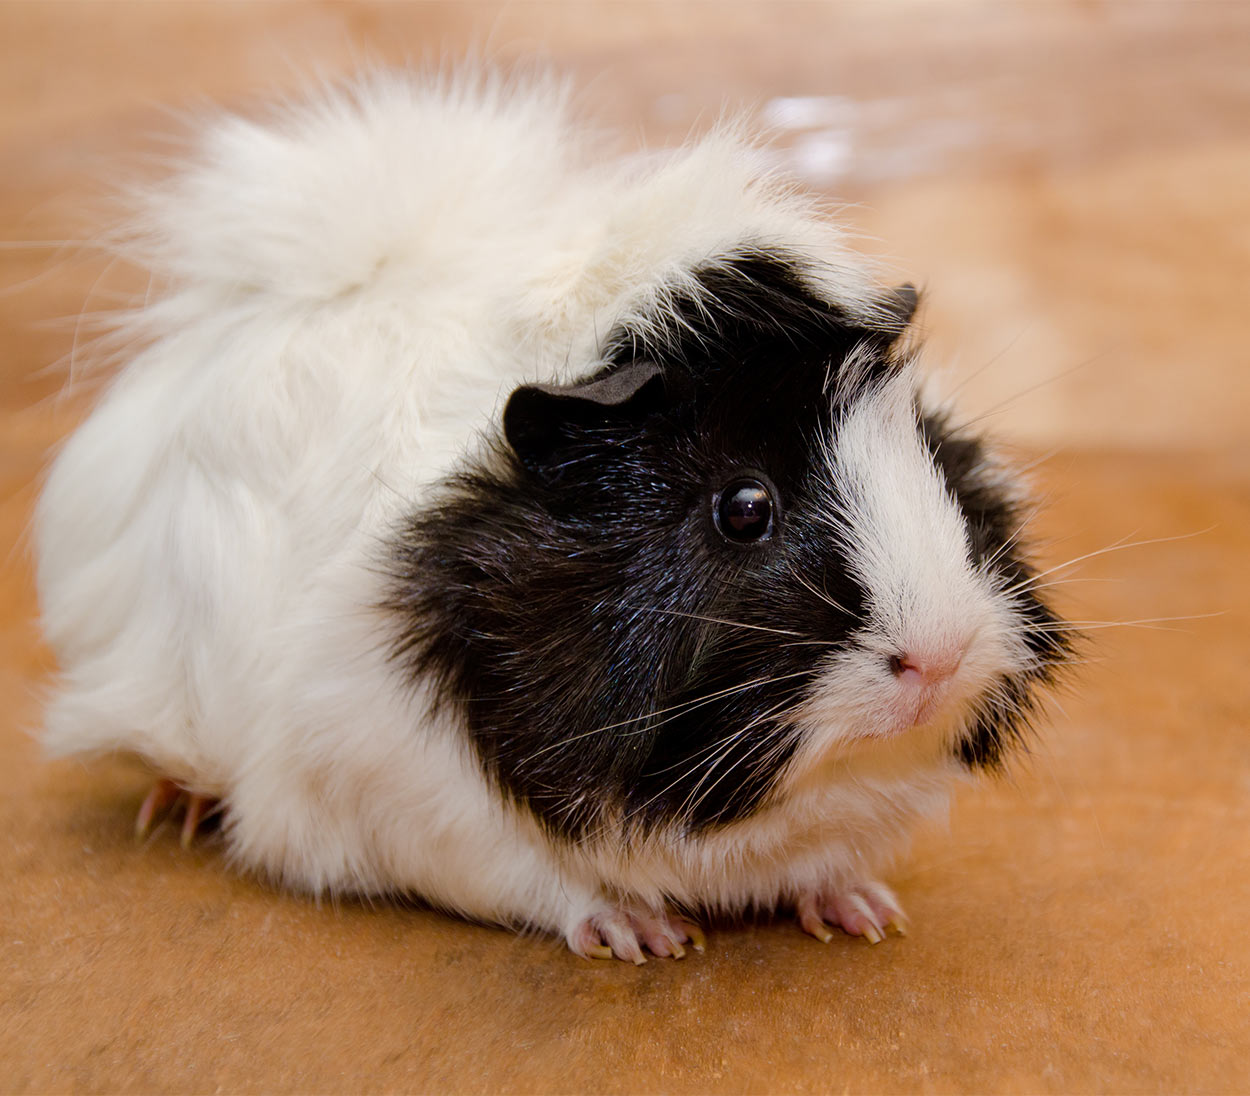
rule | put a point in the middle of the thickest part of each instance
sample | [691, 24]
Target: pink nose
[927, 669]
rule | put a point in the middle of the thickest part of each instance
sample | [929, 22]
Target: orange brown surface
[1071, 183]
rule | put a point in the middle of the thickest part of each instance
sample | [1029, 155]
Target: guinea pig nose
[924, 669]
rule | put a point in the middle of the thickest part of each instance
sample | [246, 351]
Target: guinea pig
[560, 538]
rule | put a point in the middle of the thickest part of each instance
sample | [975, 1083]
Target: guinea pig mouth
[921, 708]
[931, 706]
[929, 703]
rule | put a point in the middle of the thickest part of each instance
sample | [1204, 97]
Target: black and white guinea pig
[561, 539]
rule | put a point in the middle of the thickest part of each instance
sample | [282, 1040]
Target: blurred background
[1069, 183]
[1066, 180]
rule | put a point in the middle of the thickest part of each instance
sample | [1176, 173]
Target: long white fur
[351, 289]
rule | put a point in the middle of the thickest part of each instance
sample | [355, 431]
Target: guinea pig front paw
[861, 909]
[163, 800]
[623, 933]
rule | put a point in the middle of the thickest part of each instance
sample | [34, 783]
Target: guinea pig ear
[538, 417]
[897, 309]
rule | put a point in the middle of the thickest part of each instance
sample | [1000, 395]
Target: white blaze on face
[936, 634]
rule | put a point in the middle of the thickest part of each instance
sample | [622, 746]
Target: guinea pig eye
[744, 511]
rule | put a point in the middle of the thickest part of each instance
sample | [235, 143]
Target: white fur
[904, 538]
[351, 289]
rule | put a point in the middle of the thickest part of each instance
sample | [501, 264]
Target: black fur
[992, 522]
[615, 657]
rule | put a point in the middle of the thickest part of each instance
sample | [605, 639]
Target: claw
[810, 920]
[697, 940]
[197, 805]
[818, 929]
[863, 918]
[158, 800]
[163, 799]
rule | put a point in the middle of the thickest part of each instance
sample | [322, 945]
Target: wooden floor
[1071, 184]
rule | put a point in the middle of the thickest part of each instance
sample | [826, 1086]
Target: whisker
[723, 749]
[720, 746]
[1037, 462]
[1014, 538]
[773, 745]
[800, 642]
[1073, 581]
[1116, 546]
[1093, 625]
[677, 709]
[988, 364]
[1004, 404]
[717, 620]
[819, 594]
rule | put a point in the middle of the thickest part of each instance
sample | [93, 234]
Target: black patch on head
[614, 654]
[616, 658]
[993, 525]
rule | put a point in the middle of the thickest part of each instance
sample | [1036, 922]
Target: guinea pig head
[737, 553]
